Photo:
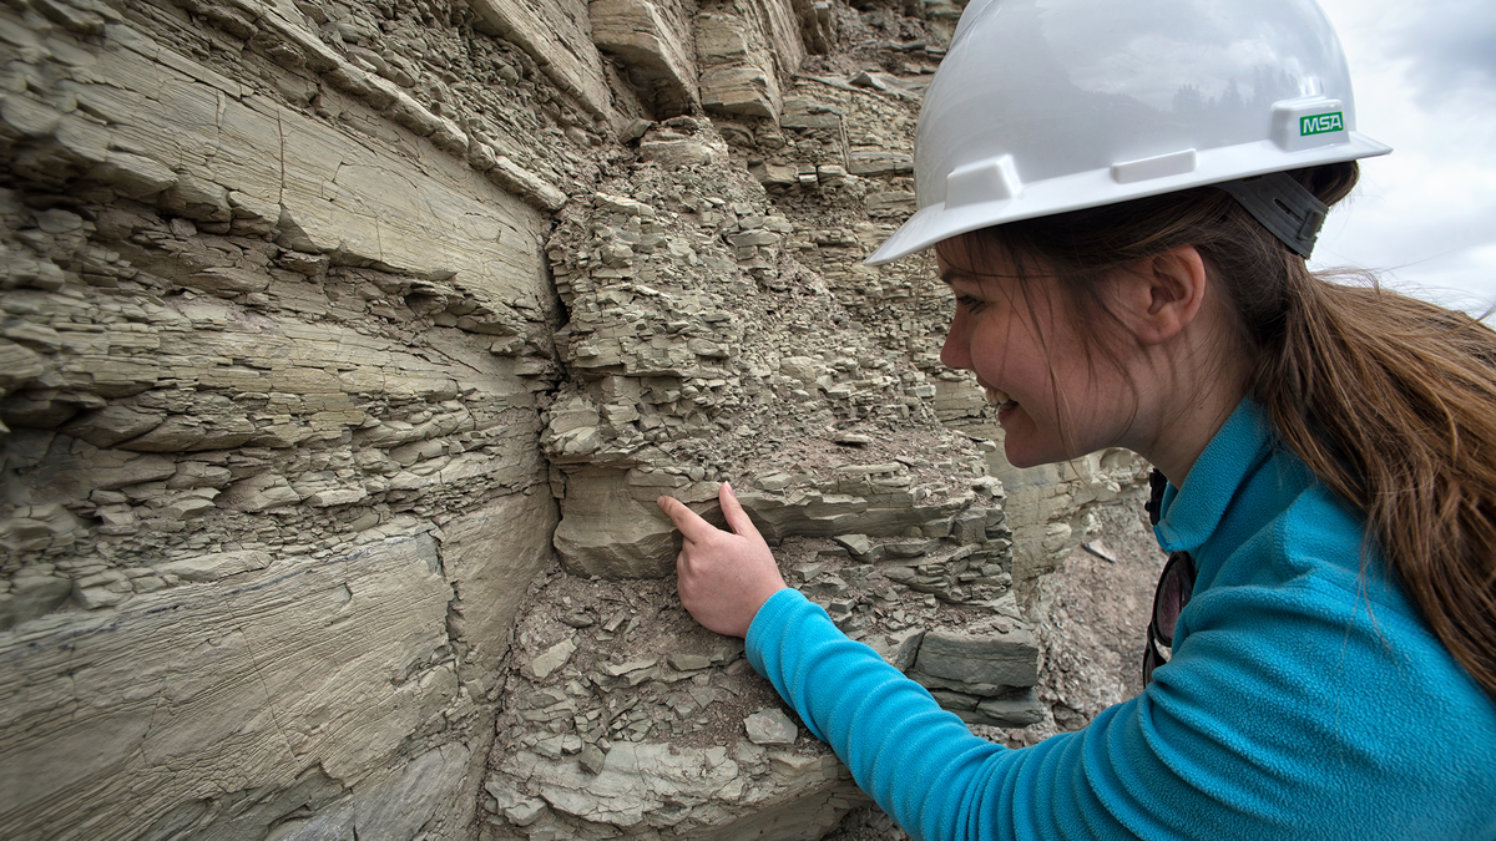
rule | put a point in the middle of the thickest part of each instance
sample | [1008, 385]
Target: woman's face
[1054, 400]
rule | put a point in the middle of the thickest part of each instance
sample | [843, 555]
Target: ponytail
[1391, 401]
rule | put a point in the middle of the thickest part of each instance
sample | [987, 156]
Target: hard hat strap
[1283, 206]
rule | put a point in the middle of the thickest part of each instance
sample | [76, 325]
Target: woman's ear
[1162, 294]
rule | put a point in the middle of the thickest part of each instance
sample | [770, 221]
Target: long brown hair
[1390, 400]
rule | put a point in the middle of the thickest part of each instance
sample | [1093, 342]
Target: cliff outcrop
[344, 348]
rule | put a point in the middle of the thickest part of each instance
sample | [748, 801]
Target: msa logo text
[1321, 123]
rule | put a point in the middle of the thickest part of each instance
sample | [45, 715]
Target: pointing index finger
[691, 526]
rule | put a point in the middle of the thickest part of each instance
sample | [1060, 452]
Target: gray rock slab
[330, 664]
[605, 531]
[993, 659]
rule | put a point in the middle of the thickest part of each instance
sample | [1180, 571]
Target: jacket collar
[1190, 514]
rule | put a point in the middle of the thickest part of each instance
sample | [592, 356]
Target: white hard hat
[1045, 106]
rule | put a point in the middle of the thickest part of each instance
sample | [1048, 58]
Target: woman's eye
[969, 303]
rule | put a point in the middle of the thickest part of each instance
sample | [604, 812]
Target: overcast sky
[1424, 217]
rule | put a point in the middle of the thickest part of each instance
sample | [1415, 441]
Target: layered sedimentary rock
[344, 348]
[652, 40]
[273, 483]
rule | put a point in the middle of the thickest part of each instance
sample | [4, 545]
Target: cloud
[1450, 46]
[1425, 83]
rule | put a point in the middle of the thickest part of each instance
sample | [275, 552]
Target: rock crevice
[344, 349]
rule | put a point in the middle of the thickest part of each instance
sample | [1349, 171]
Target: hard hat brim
[937, 221]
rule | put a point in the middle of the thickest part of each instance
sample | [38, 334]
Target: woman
[1121, 198]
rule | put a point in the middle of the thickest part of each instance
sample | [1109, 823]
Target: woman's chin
[1024, 448]
[1021, 456]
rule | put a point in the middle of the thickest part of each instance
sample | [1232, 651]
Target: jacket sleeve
[939, 781]
[1279, 717]
[918, 761]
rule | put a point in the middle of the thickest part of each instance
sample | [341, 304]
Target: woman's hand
[723, 577]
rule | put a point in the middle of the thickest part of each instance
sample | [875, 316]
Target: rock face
[344, 348]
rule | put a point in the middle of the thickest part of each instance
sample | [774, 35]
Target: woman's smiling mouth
[1000, 399]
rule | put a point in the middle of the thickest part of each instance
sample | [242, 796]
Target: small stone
[634, 672]
[18, 364]
[672, 153]
[591, 759]
[147, 584]
[831, 172]
[622, 204]
[337, 496]
[776, 481]
[727, 653]
[633, 131]
[187, 506]
[771, 727]
[689, 662]
[525, 812]
[579, 620]
[553, 658]
[621, 669]
[57, 221]
[775, 175]
[215, 566]
[93, 598]
[1099, 549]
[858, 544]
[259, 493]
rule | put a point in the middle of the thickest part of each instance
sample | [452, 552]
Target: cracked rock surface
[344, 348]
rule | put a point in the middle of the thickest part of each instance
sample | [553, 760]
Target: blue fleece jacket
[1306, 698]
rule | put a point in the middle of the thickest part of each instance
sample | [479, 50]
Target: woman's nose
[955, 354]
